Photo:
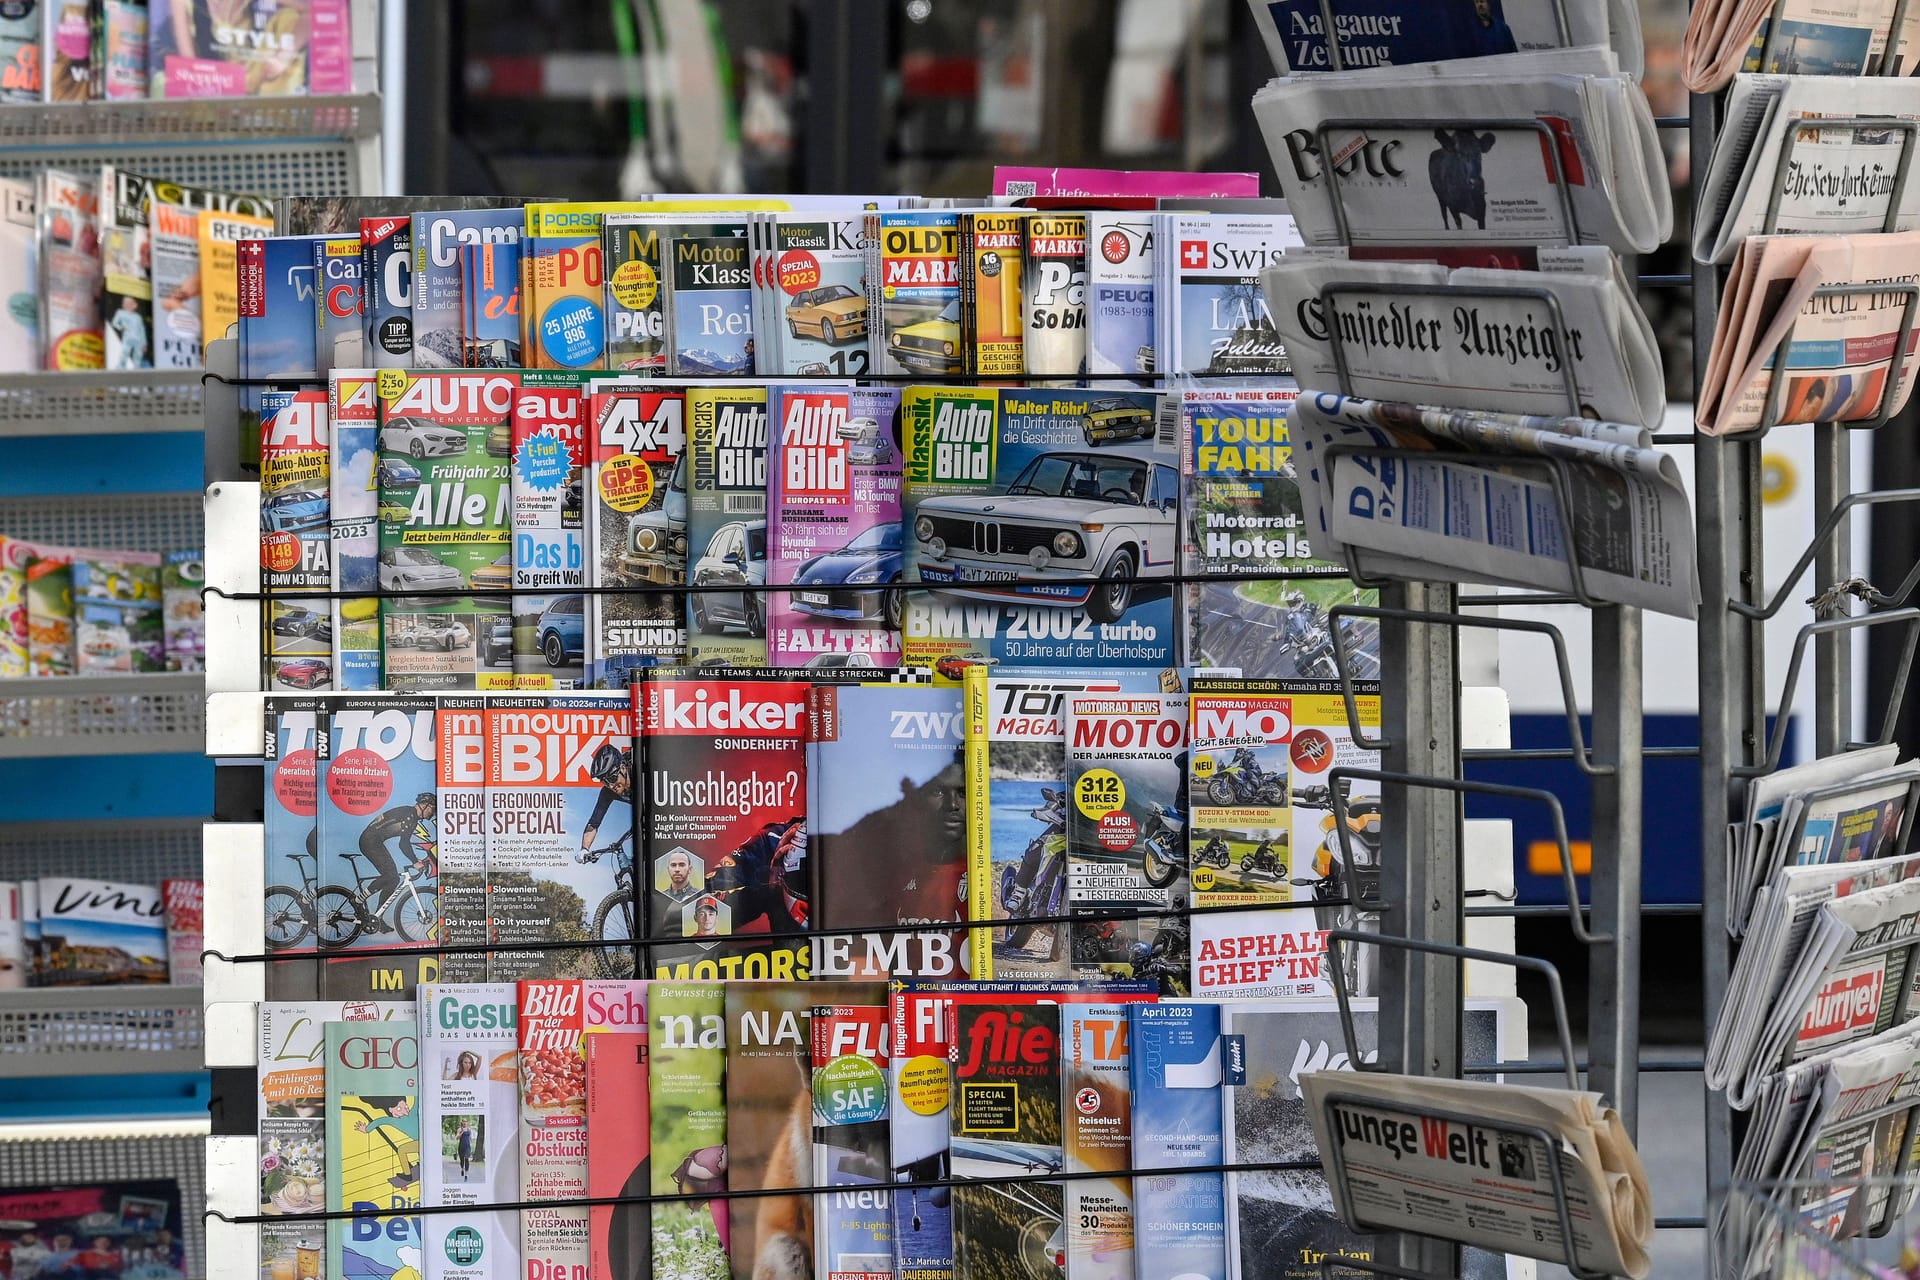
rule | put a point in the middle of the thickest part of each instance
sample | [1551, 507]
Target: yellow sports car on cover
[929, 346]
[497, 576]
[1116, 418]
[833, 312]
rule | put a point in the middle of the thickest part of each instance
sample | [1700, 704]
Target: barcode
[1018, 190]
[1166, 426]
[743, 504]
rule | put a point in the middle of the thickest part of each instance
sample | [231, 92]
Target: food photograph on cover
[959, 640]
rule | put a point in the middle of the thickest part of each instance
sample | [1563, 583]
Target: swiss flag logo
[1193, 254]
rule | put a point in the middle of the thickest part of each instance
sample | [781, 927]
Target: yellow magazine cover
[218, 232]
[992, 295]
[979, 822]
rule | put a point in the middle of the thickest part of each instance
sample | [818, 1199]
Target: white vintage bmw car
[1089, 522]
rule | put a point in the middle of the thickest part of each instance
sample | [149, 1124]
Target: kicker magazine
[853, 1239]
[296, 538]
[460, 752]
[727, 526]
[549, 466]
[1004, 1118]
[560, 833]
[887, 827]
[1036, 521]
[833, 527]
[373, 1149]
[1055, 303]
[725, 823]
[636, 533]
[469, 1126]
[445, 529]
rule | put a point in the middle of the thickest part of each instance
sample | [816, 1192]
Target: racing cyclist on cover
[402, 823]
[612, 768]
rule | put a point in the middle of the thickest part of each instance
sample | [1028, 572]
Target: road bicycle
[344, 914]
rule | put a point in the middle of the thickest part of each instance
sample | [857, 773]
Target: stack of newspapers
[1383, 33]
[1814, 38]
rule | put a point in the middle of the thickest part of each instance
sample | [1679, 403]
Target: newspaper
[1380, 33]
[1437, 177]
[1484, 1183]
[1450, 345]
[1854, 807]
[1817, 38]
[1486, 510]
[1842, 345]
[1837, 180]
[1847, 979]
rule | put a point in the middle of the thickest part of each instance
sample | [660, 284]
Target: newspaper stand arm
[1828, 528]
[1777, 739]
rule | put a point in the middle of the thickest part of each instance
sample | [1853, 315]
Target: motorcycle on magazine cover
[1338, 889]
[1242, 780]
[1037, 885]
[1307, 635]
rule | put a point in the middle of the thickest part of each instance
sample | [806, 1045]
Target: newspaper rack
[1887, 62]
[1549, 145]
[1336, 61]
[1783, 1217]
[1332, 1158]
[1825, 629]
[1909, 131]
[1896, 360]
[1829, 526]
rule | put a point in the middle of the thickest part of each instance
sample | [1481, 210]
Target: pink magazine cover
[1024, 181]
[833, 526]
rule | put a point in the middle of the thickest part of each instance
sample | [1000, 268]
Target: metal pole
[1832, 654]
[1613, 991]
[1420, 858]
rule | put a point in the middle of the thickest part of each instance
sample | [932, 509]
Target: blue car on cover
[562, 630]
[873, 559]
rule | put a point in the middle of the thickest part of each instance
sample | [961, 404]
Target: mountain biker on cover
[400, 823]
[612, 768]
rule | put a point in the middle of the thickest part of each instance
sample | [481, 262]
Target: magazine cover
[833, 527]
[218, 235]
[1120, 293]
[1244, 519]
[919, 259]
[490, 305]
[68, 263]
[1096, 1088]
[296, 541]
[552, 1138]
[818, 269]
[16, 968]
[640, 273]
[339, 328]
[1272, 954]
[1004, 1118]
[116, 609]
[1240, 829]
[853, 1239]
[294, 747]
[21, 54]
[727, 526]
[618, 1121]
[992, 301]
[224, 51]
[183, 907]
[560, 797]
[460, 790]
[183, 575]
[1215, 319]
[724, 830]
[1054, 304]
[112, 1230]
[386, 280]
[886, 825]
[292, 1126]
[564, 285]
[48, 588]
[1283, 1221]
[1127, 837]
[447, 532]
[353, 511]
[379, 831]
[19, 277]
[637, 533]
[548, 468]
[709, 306]
[275, 283]
[1034, 517]
[94, 933]
[1180, 1221]
[619, 1118]
[687, 1041]
[14, 558]
[1016, 771]
[172, 215]
[470, 1123]
[126, 296]
[67, 42]
[769, 1110]
[440, 329]
[373, 1149]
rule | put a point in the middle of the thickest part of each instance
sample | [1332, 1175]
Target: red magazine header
[703, 708]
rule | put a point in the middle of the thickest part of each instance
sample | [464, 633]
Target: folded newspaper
[1810, 178]
[1494, 501]
[1842, 343]
[1822, 1125]
[1448, 329]
[1854, 807]
[1484, 1182]
[1379, 33]
[1809, 981]
[1839, 38]
[1456, 152]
